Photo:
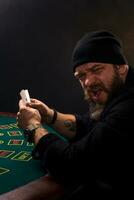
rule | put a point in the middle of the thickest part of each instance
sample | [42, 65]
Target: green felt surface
[20, 171]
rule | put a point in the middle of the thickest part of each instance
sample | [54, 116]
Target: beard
[95, 108]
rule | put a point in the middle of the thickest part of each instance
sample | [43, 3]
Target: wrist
[51, 117]
[33, 126]
[39, 133]
[30, 131]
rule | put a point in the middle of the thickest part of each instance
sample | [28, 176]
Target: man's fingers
[22, 105]
[18, 119]
[33, 100]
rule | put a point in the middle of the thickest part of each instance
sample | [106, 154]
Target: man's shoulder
[121, 105]
[130, 78]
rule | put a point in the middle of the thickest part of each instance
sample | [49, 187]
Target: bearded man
[96, 158]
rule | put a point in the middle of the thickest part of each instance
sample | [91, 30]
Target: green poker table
[17, 167]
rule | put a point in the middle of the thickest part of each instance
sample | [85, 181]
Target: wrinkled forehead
[84, 67]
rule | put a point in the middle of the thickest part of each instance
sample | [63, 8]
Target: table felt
[17, 167]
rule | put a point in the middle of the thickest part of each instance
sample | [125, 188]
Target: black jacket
[99, 161]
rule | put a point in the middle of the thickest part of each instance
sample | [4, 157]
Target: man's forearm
[65, 124]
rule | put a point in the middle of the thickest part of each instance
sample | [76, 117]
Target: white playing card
[25, 96]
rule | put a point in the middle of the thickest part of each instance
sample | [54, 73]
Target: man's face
[99, 82]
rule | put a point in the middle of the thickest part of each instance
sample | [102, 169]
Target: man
[96, 160]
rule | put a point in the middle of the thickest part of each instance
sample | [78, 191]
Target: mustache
[95, 88]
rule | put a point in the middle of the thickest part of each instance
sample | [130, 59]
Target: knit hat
[98, 46]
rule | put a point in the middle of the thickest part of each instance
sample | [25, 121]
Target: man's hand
[30, 116]
[45, 112]
[27, 116]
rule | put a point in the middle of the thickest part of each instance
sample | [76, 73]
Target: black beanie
[98, 46]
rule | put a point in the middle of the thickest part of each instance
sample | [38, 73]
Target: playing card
[25, 96]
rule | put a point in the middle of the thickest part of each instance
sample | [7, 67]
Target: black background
[37, 38]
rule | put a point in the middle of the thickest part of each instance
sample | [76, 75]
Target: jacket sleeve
[83, 125]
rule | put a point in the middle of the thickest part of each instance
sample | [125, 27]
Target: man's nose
[89, 81]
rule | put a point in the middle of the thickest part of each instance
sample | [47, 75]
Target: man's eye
[80, 77]
[96, 70]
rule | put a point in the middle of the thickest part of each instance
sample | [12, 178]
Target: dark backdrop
[36, 42]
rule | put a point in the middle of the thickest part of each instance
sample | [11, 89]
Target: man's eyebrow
[95, 65]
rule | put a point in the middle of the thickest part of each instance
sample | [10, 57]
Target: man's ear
[123, 69]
